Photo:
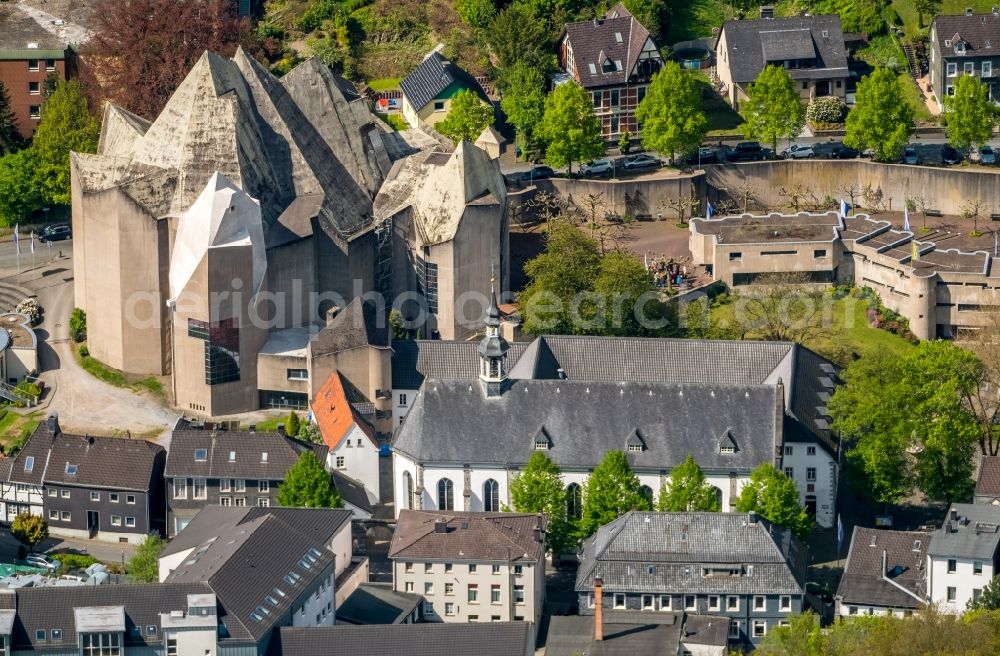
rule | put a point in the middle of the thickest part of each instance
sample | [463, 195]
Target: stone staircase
[11, 294]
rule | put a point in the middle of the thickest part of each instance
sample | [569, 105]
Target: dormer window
[960, 48]
[608, 66]
[947, 43]
[541, 445]
[200, 455]
[826, 34]
[635, 448]
[727, 449]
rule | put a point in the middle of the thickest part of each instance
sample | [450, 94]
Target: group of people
[667, 272]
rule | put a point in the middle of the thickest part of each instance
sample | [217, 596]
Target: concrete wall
[642, 196]
[291, 277]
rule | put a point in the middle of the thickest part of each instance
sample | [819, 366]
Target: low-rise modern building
[886, 573]
[352, 447]
[941, 291]
[613, 58]
[963, 45]
[105, 488]
[988, 482]
[429, 89]
[732, 565]
[471, 567]
[963, 556]
[226, 468]
[810, 48]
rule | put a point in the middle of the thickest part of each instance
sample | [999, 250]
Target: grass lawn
[908, 13]
[15, 427]
[395, 121]
[696, 18]
[112, 376]
[384, 84]
[847, 332]
[722, 119]
[915, 98]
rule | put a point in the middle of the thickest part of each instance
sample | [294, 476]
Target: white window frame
[986, 69]
[129, 522]
[619, 600]
[664, 598]
[759, 603]
[114, 497]
[180, 488]
[116, 520]
[951, 69]
[729, 606]
[969, 68]
[225, 485]
[785, 603]
[130, 499]
[762, 624]
[263, 487]
[204, 487]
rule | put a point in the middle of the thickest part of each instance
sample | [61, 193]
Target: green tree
[144, 565]
[688, 490]
[397, 324]
[568, 265]
[29, 529]
[477, 13]
[571, 130]
[989, 599]
[630, 304]
[523, 100]
[309, 432]
[881, 120]
[625, 142]
[539, 489]
[467, 118]
[292, 424]
[971, 113]
[775, 497]
[78, 325]
[66, 126]
[22, 186]
[308, 485]
[893, 405]
[612, 490]
[651, 13]
[10, 137]
[803, 636]
[926, 8]
[671, 116]
[516, 35]
[773, 109]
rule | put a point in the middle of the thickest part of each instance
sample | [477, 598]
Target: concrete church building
[220, 243]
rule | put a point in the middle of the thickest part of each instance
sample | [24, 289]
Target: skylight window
[70, 469]
[271, 600]
[592, 69]
[618, 37]
[263, 611]
[304, 564]
[279, 592]
[232, 456]
[29, 463]
[263, 456]
[315, 552]
[200, 455]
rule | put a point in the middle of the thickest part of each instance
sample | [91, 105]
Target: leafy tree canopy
[66, 126]
[612, 490]
[523, 100]
[670, 115]
[688, 491]
[971, 113]
[144, 565]
[539, 489]
[308, 485]
[989, 599]
[29, 529]
[292, 424]
[773, 109]
[775, 497]
[571, 130]
[881, 120]
[22, 186]
[467, 118]
[516, 34]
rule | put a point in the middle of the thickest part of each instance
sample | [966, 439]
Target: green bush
[826, 109]
[71, 561]
[84, 351]
[24, 388]
[78, 325]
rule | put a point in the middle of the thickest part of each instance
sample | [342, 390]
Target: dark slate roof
[357, 325]
[351, 491]
[452, 422]
[677, 545]
[468, 536]
[376, 604]
[434, 75]
[483, 639]
[106, 462]
[415, 360]
[975, 533]
[282, 453]
[214, 521]
[596, 41]
[245, 566]
[571, 635]
[752, 43]
[906, 564]
[988, 483]
[48, 608]
[980, 32]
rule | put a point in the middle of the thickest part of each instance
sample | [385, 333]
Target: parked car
[747, 151]
[538, 173]
[987, 156]
[949, 155]
[56, 232]
[641, 161]
[844, 152]
[910, 155]
[799, 151]
[42, 561]
[597, 167]
[704, 156]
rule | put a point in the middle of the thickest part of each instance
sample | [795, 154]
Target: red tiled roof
[335, 415]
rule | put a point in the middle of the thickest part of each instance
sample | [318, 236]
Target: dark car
[949, 155]
[747, 151]
[845, 152]
[704, 156]
[538, 173]
[56, 232]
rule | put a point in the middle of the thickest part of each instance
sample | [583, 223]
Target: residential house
[886, 573]
[226, 468]
[964, 45]
[734, 565]
[29, 53]
[988, 482]
[429, 89]
[376, 603]
[352, 447]
[963, 555]
[810, 48]
[614, 59]
[491, 639]
[106, 488]
[471, 567]
[577, 397]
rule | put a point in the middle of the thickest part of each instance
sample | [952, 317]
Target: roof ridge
[494, 520]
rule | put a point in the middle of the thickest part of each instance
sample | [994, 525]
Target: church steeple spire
[493, 350]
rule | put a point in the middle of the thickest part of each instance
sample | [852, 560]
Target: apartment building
[964, 45]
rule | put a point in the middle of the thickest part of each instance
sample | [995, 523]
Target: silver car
[799, 151]
[41, 561]
[597, 167]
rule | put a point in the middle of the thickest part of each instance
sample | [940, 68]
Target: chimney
[281, 430]
[954, 514]
[440, 526]
[751, 517]
[561, 373]
[332, 313]
[598, 610]
[968, 11]
[52, 423]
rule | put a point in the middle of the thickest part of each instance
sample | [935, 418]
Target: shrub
[78, 325]
[30, 308]
[71, 561]
[84, 351]
[24, 388]
[826, 109]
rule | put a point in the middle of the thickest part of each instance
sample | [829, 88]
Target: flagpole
[17, 246]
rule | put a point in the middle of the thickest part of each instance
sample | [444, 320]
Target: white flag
[32, 242]
[17, 241]
[906, 218]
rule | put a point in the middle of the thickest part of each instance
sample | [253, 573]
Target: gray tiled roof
[351, 491]
[862, 582]
[432, 76]
[572, 635]
[751, 43]
[452, 422]
[676, 545]
[377, 604]
[415, 360]
[484, 639]
[282, 453]
[980, 32]
[469, 536]
[595, 41]
[975, 534]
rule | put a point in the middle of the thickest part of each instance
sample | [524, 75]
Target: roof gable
[980, 33]
[468, 536]
[618, 38]
[751, 44]
[432, 77]
[335, 414]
